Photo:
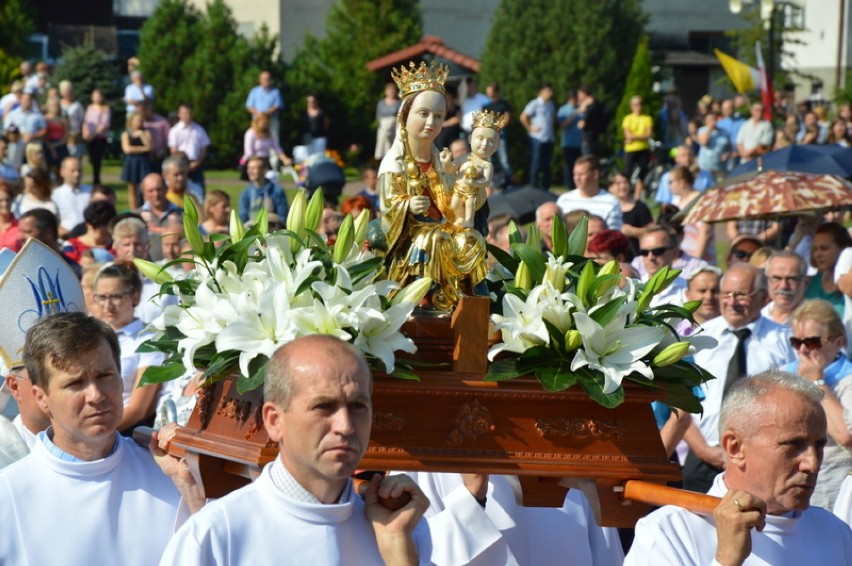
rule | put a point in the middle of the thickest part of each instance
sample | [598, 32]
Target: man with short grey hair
[786, 275]
[772, 431]
[748, 343]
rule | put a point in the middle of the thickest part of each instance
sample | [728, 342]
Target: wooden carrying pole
[654, 494]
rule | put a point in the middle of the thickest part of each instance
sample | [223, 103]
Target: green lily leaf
[257, 370]
[593, 386]
[578, 238]
[503, 370]
[606, 313]
[558, 237]
[558, 377]
[162, 373]
[534, 237]
[533, 258]
[503, 257]
[514, 233]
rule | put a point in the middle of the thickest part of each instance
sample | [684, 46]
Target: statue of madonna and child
[434, 210]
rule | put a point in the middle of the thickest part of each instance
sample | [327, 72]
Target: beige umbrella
[770, 195]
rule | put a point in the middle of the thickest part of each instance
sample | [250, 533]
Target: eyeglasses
[792, 280]
[741, 254]
[114, 298]
[811, 343]
[656, 251]
[739, 297]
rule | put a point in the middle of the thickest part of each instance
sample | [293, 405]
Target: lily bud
[523, 277]
[611, 268]
[345, 238]
[584, 282]
[313, 214]
[193, 235]
[361, 224]
[573, 340]
[262, 220]
[413, 292]
[555, 277]
[152, 271]
[296, 219]
[514, 233]
[671, 354]
[558, 237]
[236, 228]
[534, 237]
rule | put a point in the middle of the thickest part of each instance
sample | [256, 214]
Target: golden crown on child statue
[487, 119]
[414, 79]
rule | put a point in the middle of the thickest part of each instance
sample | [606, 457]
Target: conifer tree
[334, 67]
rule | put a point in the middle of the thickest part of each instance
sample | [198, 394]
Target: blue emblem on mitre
[37, 282]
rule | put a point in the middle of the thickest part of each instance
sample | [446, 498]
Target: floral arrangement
[251, 292]
[568, 321]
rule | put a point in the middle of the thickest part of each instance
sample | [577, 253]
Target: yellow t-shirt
[637, 125]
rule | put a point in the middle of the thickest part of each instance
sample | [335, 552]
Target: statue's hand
[419, 204]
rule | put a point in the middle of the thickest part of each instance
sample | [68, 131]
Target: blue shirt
[710, 155]
[542, 115]
[571, 134]
[703, 181]
[262, 100]
[731, 126]
[832, 374]
[269, 196]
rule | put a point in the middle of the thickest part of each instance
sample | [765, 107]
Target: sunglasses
[741, 254]
[811, 343]
[656, 251]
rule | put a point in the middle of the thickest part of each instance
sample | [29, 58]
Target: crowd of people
[775, 447]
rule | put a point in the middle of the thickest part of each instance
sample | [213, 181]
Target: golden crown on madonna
[488, 119]
[414, 78]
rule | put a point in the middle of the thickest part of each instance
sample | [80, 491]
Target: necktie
[737, 367]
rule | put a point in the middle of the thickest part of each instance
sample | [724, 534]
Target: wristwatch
[819, 382]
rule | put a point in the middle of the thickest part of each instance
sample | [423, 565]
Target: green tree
[89, 68]
[334, 67]
[568, 43]
[16, 23]
[640, 82]
[167, 41]
[200, 59]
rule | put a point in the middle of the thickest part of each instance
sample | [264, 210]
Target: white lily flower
[521, 325]
[614, 350]
[555, 271]
[379, 333]
[318, 320]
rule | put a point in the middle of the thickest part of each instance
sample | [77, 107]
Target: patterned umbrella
[768, 195]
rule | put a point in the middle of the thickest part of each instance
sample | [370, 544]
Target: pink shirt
[188, 138]
[96, 119]
[254, 146]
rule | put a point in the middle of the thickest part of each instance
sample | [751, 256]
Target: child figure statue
[475, 171]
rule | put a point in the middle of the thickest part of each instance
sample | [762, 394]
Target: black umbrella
[520, 203]
[821, 159]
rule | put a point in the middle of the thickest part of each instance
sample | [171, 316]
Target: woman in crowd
[9, 234]
[819, 338]
[118, 289]
[97, 239]
[36, 193]
[829, 240]
[259, 142]
[838, 133]
[96, 125]
[217, 208]
[56, 137]
[136, 144]
[635, 214]
[34, 158]
[698, 240]
[354, 205]
[314, 126]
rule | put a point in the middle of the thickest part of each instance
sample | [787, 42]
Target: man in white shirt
[786, 274]
[318, 410]
[755, 136]
[521, 535]
[773, 431]
[70, 197]
[589, 195]
[191, 139]
[18, 435]
[765, 346]
[137, 92]
[78, 497]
